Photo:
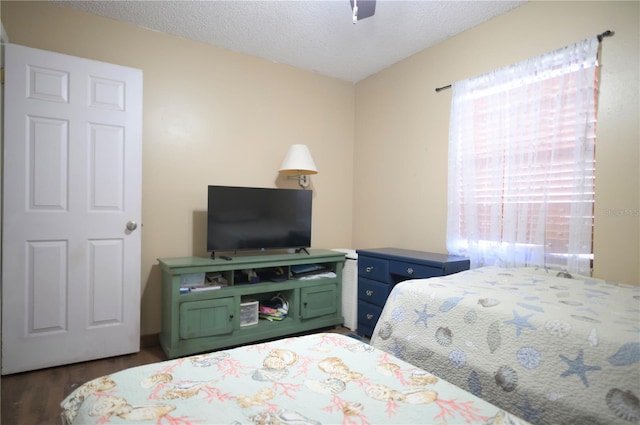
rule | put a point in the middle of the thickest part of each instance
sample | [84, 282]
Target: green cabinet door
[206, 317]
[318, 300]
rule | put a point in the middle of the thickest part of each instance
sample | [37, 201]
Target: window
[522, 163]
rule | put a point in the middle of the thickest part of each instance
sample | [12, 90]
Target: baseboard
[148, 341]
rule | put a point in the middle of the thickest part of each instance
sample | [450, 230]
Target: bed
[323, 378]
[549, 348]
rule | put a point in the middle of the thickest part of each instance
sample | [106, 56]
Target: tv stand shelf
[202, 321]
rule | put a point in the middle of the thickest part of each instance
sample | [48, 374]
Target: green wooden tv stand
[202, 321]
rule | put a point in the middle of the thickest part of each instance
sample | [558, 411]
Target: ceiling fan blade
[366, 8]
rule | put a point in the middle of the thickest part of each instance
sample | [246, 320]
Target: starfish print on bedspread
[423, 316]
[520, 322]
[528, 412]
[578, 367]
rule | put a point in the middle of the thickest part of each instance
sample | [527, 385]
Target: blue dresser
[380, 269]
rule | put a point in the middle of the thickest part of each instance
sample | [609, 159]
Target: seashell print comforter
[322, 378]
[549, 349]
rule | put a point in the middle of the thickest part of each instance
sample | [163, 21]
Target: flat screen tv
[250, 218]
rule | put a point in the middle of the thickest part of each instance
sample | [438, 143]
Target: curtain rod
[607, 33]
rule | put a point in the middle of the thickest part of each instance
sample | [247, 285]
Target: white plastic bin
[248, 313]
[350, 288]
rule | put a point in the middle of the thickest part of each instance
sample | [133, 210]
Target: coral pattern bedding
[321, 378]
[549, 349]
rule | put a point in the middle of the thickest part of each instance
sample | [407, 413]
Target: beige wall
[210, 117]
[217, 117]
[400, 169]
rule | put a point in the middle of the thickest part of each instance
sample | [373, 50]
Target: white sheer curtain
[522, 162]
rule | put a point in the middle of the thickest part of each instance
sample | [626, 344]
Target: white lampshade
[298, 161]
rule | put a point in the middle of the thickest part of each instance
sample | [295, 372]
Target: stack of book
[185, 289]
[307, 269]
[196, 282]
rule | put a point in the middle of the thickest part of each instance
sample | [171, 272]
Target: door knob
[132, 225]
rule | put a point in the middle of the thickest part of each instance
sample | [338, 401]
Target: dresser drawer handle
[369, 269]
[369, 316]
[409, 270]
[369, 292]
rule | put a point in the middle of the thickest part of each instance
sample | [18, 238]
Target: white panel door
[71, 204]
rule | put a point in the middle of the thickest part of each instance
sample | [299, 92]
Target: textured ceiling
[315, 35]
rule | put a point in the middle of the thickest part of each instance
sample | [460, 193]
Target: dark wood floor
[33, 398]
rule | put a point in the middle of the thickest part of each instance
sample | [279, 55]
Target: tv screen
[249, 218]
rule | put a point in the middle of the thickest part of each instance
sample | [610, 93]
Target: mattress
[323, 378]
[546, 348]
